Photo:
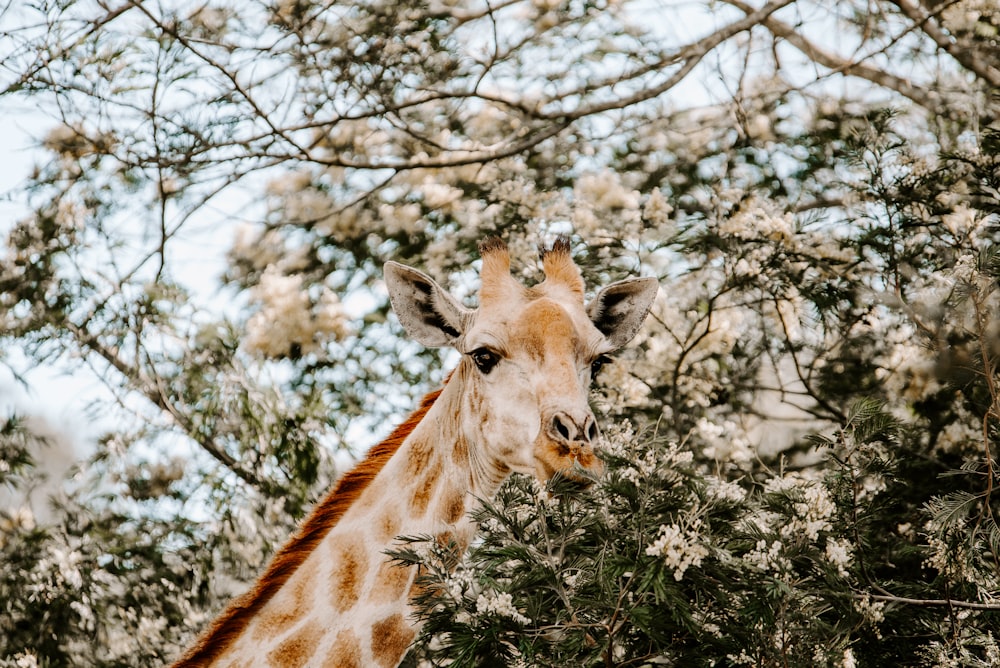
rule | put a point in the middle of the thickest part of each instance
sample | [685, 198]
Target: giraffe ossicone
[516, 402]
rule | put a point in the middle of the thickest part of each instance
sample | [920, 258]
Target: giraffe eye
[598, 364]
[484, 359]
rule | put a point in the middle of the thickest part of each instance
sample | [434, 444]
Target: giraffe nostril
[565, 429]
[561, 428]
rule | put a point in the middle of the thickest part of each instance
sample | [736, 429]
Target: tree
[814, 395]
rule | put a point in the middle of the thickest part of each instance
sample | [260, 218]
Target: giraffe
[516, 402]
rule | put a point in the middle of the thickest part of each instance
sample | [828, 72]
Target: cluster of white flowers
[966, 268]
[441, 196]
[725, 491]
[571, 577]
[948, 561]
[678, 333]
[254, 249]
[768, 557]
[680, 547]
[641, 468]
[620, 389]
[726, 442]
[871, 485]
[604, 208]
[757, 221]
[742, 659]
[288, 315]
[971, 16]
[26, 660]
[401, 219]
[67, 564]
[751, 264]
[960, 436]
[846, 659]
[655, 460]
[656, 211]
[15, 520]
[960, 221]
[908, 370]
[840, 553]
[492, 602]
[813, 512]
[872, 611]
[492, 525]
[618, 439]
[209, 22]
[85, 610]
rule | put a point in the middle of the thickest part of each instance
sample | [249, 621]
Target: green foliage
[661, 562]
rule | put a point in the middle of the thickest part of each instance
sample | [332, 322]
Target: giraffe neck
[342, 601]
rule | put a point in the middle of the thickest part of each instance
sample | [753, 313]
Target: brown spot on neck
[297, 649]
[234, 620]
[350, 565]
[346, 651]
[392, 582]
[390, 639]
[388, 524]
[424, 487]
[453, 506]
[286, 607]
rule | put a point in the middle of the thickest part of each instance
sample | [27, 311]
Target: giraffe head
[529, 354]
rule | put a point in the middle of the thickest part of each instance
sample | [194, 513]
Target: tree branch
[966, 55]
[927, 99]
[159, 398]
[691, 55]
[929, 602]
[95, 26]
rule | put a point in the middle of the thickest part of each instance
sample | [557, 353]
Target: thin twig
[929, 602]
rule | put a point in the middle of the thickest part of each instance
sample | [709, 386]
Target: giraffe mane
[228, 626]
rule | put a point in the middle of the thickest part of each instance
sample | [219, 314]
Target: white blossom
[724, 442]
[873, 611]
[67, 563]
[26, 660]
[501, 604]
[812, 513]
[724, 490]
[619, 385]
[287, 315]
[768, 557]
[949, 561]
[840, 552]
[657, 210]
[680, 548]
[756, 221]
[618, 439]
[960, 221]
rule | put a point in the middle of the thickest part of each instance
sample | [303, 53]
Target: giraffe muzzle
[568, 447]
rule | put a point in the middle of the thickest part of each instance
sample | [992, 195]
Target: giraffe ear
[427, 312]
[619, 310]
